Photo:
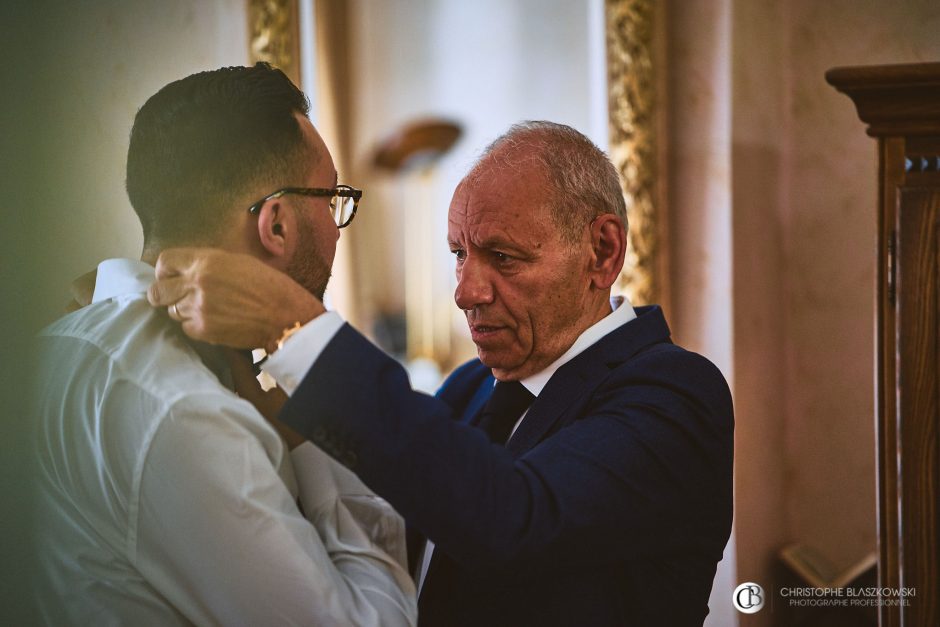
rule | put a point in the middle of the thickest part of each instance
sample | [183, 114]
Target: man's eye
[459, 254]
[502, 257]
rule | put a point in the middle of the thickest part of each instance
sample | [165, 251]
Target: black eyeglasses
[344, 200]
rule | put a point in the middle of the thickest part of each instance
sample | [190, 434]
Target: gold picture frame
[274, 35]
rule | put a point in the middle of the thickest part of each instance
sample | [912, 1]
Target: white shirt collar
[622, 313]
[122, 277]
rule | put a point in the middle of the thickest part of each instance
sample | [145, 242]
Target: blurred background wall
[803, 187]
[769, 184]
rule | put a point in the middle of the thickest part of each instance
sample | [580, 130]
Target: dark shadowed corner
[28, 30]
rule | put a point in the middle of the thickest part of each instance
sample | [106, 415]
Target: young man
[164, 497]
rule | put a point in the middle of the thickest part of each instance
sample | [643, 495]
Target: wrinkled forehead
[515, 157]
[501, 201]
[511, 174]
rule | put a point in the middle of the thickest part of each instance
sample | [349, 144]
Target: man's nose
[473, 286]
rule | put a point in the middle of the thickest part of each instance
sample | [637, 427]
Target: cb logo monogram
[748, 598]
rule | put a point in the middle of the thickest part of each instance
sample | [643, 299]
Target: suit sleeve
[648, 460]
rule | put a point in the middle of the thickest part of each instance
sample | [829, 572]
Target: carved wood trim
[631, 81]
[894, 100]
[274, 35]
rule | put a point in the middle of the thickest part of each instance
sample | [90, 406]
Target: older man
[592, 484]
[165, 499]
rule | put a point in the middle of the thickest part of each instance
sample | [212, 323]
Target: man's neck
[615, 314]
[151, 251]
[599, 310]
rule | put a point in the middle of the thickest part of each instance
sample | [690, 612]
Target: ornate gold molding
[274, 35]
[631, 99]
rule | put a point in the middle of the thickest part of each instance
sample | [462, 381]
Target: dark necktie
[501, 412]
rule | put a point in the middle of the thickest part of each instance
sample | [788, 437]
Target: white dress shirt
[166, 499]
[289, 364]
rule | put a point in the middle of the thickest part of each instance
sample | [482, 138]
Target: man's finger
[194, 328]
[174, 312]
[175, 261]
[165, 292]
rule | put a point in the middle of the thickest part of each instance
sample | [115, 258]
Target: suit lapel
[566, 389]
[573, 383]
[471, 414]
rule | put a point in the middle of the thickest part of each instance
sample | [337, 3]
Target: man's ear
[609, 245]
[275, 225]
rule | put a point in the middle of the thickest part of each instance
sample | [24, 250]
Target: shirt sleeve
[323, 482]
[218, 532]
[289, 364]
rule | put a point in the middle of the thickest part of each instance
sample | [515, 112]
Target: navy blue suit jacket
[610, 505]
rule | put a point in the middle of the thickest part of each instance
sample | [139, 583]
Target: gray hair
[583, 183]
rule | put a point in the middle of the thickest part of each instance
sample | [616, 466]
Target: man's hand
[228, 298]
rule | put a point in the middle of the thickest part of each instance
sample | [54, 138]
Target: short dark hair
[583, 183]
[203, 141]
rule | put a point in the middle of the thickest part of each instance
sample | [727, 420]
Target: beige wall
[106, 58]
[789, 177]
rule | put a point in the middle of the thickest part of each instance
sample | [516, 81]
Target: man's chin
[502, 370]
[506, 375]
[505, 368]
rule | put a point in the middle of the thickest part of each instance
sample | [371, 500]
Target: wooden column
[901, 105]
